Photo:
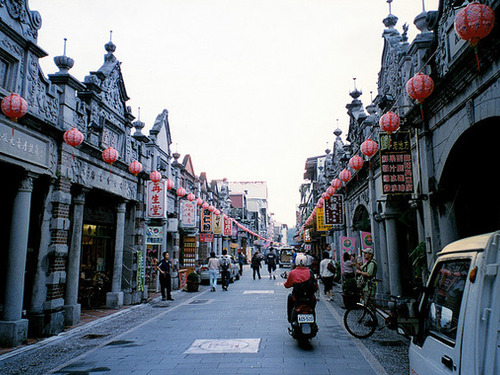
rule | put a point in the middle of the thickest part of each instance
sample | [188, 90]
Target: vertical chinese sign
[395, 163]
[320, 220]
[206, 226]
[188, 214]
[334, 210]
[217, 224]
[227, 226]
[156, 200]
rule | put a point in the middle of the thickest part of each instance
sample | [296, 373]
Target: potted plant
[193, 282]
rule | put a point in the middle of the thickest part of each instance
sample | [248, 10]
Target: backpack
[224, 263]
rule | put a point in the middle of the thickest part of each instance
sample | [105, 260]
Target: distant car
[285, 257]
[205, 275]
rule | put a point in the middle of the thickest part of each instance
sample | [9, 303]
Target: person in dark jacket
[271, 260]
[256, 264]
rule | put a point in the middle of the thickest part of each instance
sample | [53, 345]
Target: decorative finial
[110, 46]
[355, 93]
[390, 6]
[64, 63]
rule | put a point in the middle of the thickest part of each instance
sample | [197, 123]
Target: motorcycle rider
[299, 275]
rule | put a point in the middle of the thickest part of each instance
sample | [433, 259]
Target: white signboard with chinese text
[188, 214]
[156, 200]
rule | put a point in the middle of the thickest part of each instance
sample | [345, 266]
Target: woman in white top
[213, 270]
[327, 275]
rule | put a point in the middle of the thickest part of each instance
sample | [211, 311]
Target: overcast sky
[253, 87]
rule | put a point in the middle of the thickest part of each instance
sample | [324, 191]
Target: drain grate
[199, 302]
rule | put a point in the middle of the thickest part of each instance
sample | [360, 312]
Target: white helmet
[301, 260]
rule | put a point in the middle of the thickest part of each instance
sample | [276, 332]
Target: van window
[444, 297]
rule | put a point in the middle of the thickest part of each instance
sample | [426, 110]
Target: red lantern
[199, 202]
[110, 155]
[135, 167]
[420, 87]
[169, 183]
[336, 183]
[473, 23]
[369, 148]
[14, 106]
[73, 137]
[155, 176]
[181, 192]
[211, 208]
[330, 191]
[190, 197]
[320, 203]
[345, 175]
[205, 205]
[356, 162]
[216, 212]
[389, 122]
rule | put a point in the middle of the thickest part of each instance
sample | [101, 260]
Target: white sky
[253, 87]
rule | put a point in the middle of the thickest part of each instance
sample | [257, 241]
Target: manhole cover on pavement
[200, 301]
[218, 346]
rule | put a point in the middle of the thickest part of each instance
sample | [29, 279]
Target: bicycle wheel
[360, 321]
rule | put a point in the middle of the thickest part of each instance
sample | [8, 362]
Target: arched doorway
[468, 188]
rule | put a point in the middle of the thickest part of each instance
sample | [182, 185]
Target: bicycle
[361, 320]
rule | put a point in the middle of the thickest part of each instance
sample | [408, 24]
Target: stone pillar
[390, 216]
[114, 299]
[14, 329]
[72, 309]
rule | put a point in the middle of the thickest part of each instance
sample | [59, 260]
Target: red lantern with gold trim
[389, 122]
[155, 176]
[110, 155]
[345, 175]
[356, 162]
[135, 167]
[369, 147]
[473, 23]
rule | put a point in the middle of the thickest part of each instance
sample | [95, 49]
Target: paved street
[242, 331]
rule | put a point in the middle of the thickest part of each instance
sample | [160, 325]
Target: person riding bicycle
[303, 282]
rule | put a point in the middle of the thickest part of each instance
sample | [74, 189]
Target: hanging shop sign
[156, 200]
[154, 235]
[307, 235]
[140, 271]
[395, 163]
[227, 226]
[217, 224]
[206, 237]
[188, 214]
[366, 240]
[206, 221]
[347, 244]
[320, 220]
[334, 210]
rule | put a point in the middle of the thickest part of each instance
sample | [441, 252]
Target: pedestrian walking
[256, 263]
[165, 267]
[213, 270]
[349, 287]
[271, 263]
[225, 267]
[327, 273]
[241, 261]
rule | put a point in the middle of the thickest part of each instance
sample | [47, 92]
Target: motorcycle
[303, 324]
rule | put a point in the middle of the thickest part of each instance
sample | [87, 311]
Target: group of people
[271, 259]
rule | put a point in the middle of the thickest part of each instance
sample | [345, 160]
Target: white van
[459, 331]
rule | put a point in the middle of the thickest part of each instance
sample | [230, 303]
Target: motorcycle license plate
[305, 318]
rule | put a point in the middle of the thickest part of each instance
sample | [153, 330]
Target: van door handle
[447, 361]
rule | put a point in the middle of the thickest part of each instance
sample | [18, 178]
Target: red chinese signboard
[206, 237]
[227, 226]
[156, 200]
[334, 210]
[395, 163]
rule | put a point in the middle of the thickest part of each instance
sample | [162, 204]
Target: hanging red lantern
[205, 205]
[356, 162]
[217, 212]
[330, 191]
[135, 167]
[191, 197]
[155, 176]
[169, 184]
[72, 137]
[473, 23]
[369, 148]
[345, 175]
[211, 208]
[199, 202]
[420, 87]
[110, 155]
[336, 183]
[320, 203]
[181, 192]
[14, 106]
[389, 122]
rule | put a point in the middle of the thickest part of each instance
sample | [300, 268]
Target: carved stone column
[114, 299]
[14, 329]
[72, 309]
